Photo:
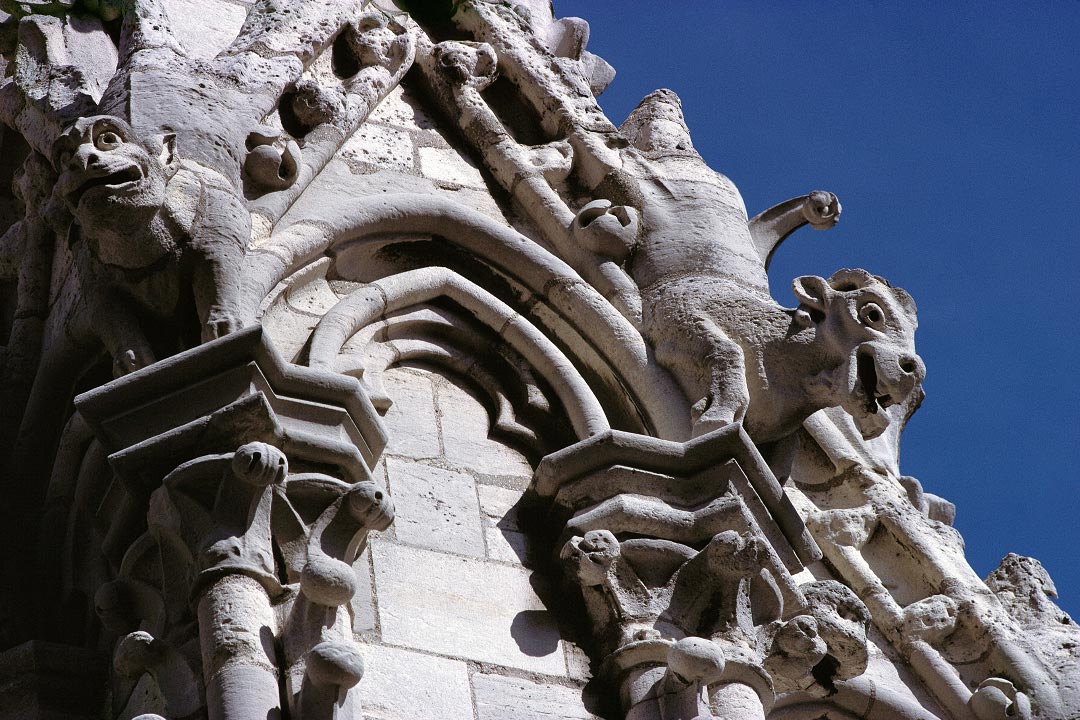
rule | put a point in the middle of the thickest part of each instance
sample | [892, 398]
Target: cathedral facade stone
[356, 365]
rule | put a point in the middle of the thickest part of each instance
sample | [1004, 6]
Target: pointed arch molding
[599, 331]
[406, 289]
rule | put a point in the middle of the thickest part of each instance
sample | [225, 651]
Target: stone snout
[867, 328]
[850, 343]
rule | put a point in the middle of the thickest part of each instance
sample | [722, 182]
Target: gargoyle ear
[167, 155]
[813, 292]
[399, 49]
[486, 62]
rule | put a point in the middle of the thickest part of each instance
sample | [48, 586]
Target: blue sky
[951, 134]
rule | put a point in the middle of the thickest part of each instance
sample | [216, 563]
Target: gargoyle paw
[704, 426]
[131, 359]
[220, 323]
[709, 415]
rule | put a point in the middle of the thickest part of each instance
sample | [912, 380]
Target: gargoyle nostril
[908, 365]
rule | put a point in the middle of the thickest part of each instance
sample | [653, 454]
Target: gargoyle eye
[871, 314]
[107, 140]
[370, 23]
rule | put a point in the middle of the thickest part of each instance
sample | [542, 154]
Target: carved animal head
[112, 181]
[468, 63]
[868, 327]
[377, 40]
[842, 620]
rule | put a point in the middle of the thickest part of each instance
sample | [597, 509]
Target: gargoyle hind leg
[219, 240]
[145, 26]
[118, 329]
[103, 312]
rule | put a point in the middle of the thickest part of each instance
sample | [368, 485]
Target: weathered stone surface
[510, 698]
[273, 217]
[411, 420]
[449, 166]
[469, 445]
[437, 508]
[362, 603]
[402, 110]
[202, 39]
[381, 147]
[497, 617]
[440, 692]
[505, 539]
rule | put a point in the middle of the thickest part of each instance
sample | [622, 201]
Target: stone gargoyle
[741, 357]
[700, 266]
[149, 157]
[153, 225]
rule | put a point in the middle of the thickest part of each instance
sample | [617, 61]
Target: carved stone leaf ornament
[356, 365]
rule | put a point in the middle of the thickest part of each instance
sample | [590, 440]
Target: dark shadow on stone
[269, 643]
[535, 633]
[598, 699]
[825, 673]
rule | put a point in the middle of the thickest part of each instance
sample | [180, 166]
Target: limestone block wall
[452, 592]
[455, 598]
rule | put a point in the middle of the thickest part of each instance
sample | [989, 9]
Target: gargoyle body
[741, 357]
[153, 182]
[153, 226]
[706, 309]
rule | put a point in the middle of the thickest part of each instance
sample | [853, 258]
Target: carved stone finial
[268, 165]
[259, 464]
[467, 63]
[931, 619]
[376, 40]
[328, 578]
[998, 699]
[606, 229]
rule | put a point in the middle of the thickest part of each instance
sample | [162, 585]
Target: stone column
[684, 553]
[236, 625]
[264, 552]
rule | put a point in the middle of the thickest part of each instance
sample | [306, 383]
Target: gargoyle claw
[219, 324]
[130, 360]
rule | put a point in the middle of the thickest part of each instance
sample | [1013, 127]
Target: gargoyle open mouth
[868, 380]
[115, 180]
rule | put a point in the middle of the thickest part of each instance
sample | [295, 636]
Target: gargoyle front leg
[107, 314]
[118, 329]
[219, 241]
[727, 396]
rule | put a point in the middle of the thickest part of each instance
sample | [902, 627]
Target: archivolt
[607, 333]
[407, 289]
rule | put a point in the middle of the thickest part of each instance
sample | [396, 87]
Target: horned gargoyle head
[867, 328]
